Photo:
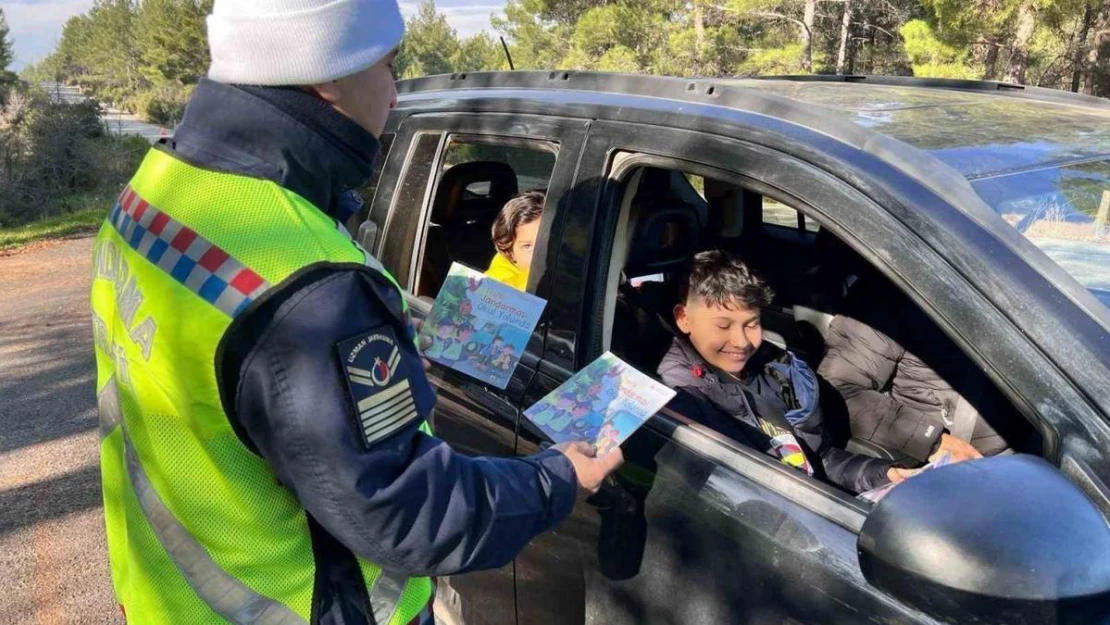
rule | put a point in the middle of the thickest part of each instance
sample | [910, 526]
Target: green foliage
[479, 53]
[83, 220]
[773, 62]
[53, 152]
[432, 47]
[164, 105]
[8, 79]
[171, 40]
[145, 55]
[7, 55]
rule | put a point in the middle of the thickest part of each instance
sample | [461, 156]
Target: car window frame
[416, 263]
[777, 180]
[569, 133]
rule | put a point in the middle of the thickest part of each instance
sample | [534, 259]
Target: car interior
[665, 218]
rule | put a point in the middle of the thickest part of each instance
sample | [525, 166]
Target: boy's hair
[522, 209]
[720, 279]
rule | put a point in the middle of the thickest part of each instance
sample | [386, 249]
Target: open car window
[477, 176]
[658, 232]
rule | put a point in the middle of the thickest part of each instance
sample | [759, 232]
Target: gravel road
[53, 560]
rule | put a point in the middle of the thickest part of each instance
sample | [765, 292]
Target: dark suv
[986, 205]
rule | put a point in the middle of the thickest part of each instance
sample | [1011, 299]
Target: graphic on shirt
[377, 383]
[786, 446]
[479, 326]
[603, 404]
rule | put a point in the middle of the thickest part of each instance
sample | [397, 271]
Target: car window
[779, 215]
[408, 198]
[1065, 211]
[476, 177]
[367, 192]
[640, 299]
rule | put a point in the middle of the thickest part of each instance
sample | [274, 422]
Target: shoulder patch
[378, 383]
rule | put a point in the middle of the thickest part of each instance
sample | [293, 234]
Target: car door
[475, 154]
[695, 528]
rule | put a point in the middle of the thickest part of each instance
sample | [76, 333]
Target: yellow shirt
[504, 270]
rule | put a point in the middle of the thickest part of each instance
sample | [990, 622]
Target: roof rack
[953, 84]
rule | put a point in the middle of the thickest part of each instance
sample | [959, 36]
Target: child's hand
[423, 342]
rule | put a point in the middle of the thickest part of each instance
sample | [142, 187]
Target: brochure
[479, 326]
[602, 404]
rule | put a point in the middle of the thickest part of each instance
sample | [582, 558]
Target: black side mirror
[1004, 540]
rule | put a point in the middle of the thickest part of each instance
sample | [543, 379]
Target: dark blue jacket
[776, 388]
[407, 502]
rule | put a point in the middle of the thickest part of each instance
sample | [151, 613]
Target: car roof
[980, 129]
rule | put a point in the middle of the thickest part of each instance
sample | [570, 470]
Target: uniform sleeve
[860, 363]
[404, 500]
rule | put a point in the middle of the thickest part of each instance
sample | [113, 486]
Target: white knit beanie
[299, 42]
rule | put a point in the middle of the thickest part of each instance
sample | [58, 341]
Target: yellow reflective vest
[199, 529]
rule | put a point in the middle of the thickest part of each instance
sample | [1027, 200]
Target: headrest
[455, 181]
[664, 239]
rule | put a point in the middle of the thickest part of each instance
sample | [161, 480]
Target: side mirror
[1005, 540]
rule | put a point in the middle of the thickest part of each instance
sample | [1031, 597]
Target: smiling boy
[770, 397]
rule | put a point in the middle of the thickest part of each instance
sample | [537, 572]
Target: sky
[37, 24]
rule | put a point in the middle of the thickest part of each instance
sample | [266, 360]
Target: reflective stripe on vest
[386, 594]
[226, 595]
[230, 286]
[189, 258]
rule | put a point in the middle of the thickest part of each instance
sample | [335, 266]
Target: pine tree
[7, 54]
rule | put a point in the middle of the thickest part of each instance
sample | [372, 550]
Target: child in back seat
[770, 397]
[514, 235]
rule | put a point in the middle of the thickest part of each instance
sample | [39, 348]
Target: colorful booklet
[602, 404]
[480, 326]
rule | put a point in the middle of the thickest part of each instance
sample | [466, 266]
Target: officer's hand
[958, 448]
[422, 342]
[590, 469]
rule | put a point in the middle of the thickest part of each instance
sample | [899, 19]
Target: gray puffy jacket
[876, 357]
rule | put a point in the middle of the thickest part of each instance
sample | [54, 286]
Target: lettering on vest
[100, 334]
[110, 265]
[143, 336]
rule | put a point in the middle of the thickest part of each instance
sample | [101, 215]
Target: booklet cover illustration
[480, 326]
[602, 404]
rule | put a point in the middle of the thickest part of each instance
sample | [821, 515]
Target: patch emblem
[378, 383]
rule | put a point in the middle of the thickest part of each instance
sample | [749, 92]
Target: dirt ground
[53, 560]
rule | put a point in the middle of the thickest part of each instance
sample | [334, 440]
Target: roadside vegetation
[59, 166]
[147, 56]
[84, 221]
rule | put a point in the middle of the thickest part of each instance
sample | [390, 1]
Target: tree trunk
[1019, 61]
[1096, 48]
[807, 35]
[699, 28]
[845, 39]
[991, 61]
[1080, 44]
[1092, 61]
[870, 34]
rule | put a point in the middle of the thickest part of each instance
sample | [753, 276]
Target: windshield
[1063, 210]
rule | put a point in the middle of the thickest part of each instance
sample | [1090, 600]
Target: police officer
[264, 451]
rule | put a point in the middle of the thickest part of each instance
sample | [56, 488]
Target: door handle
[613, 496]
